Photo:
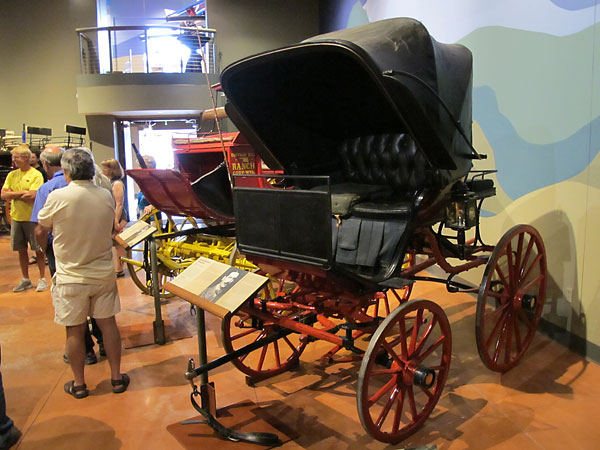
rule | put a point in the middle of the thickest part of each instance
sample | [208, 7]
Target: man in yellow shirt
[20, 187]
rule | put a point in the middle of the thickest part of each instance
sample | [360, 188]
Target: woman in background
[113, 170]
[34, 161]
[144, 207]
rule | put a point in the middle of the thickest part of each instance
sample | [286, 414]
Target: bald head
[51, 157]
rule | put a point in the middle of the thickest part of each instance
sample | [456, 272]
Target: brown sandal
[120, 385]
[76, 391]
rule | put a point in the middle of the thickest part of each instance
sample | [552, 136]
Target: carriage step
[395, 283]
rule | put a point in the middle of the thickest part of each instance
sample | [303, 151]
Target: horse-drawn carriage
[371, 129]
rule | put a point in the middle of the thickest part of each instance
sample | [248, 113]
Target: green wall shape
[543, 83]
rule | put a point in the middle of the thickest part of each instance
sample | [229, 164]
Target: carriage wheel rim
[504, 333]
[400, 391]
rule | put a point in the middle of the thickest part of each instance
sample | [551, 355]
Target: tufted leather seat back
[393, 160]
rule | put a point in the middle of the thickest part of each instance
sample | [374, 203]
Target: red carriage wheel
[404, 371]
[511, 298]
[277, 357]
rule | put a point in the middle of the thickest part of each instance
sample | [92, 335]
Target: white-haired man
[81, 217]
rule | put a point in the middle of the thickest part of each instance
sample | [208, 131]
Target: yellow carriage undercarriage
[178, 245]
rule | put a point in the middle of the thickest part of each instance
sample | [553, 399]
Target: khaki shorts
[21, 233]
[74, 302]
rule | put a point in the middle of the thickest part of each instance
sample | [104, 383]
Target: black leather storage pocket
[365, 242]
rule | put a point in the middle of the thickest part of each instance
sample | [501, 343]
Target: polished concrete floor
[550, 401]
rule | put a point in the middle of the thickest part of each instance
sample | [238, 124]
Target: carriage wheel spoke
[518, 342]
[261, 360]
[395, 294]
[392, 353]
[490, 317]
[537, 280]
[526, 258]
[385, 388]
[425, 336]
[398, 412]
[502, 276]
[511, 265]
[518, 256]
[509, 324]
[261, 335]
[387, 306]
[431, 348]
[496, 328]
[403, 338]
[412, 403]
[386, 409]
[405, 293]
[500, 340]
[285, 338]
[427, 392]
[530, 326]
[415, 331]
[277, 358]
[530, 268]
[399, 338]
[243, 333]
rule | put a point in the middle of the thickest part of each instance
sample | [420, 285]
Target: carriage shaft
[298, 327]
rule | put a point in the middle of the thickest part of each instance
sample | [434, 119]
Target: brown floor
[550, 401]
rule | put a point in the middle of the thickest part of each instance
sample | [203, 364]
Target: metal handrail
[143, 27]
[101, 54]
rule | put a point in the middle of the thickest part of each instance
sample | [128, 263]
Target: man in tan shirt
[81, 217]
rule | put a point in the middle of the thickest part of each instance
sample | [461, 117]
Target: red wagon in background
[193, 208]
[198, 155]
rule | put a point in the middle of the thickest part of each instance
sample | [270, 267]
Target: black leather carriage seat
[381, 176]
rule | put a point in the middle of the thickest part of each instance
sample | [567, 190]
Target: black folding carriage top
[383, 110]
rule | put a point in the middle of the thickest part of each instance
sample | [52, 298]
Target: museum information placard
[135, 234]
[215, 287]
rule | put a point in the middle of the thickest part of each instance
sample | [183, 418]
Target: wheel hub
[418, 375]
[424, 377]
[529, 302]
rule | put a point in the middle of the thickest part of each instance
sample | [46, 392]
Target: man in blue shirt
[51, 162]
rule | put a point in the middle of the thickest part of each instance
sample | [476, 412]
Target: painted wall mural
[536, 111]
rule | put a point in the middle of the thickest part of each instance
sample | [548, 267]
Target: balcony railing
[147, 49]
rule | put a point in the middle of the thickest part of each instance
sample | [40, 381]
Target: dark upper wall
[39, 60]
[141, 12]
[248, 27]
